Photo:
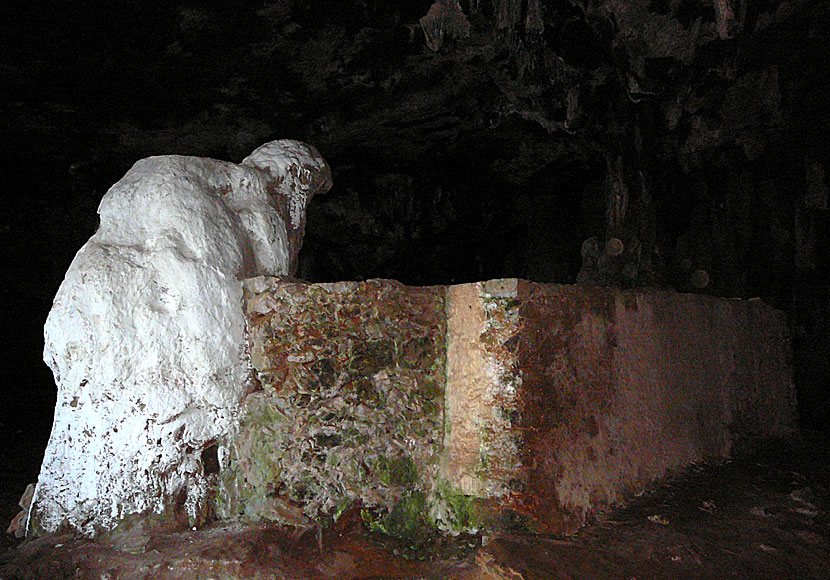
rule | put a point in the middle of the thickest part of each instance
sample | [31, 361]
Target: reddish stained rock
[578, 397]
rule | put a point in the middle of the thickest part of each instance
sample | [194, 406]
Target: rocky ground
[765, 514]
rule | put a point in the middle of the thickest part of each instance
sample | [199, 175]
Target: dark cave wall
[669, 143]
[663, 145]
[687, 143]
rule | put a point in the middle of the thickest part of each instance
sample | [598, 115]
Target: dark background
[497, 155]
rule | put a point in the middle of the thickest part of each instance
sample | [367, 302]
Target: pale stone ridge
[147, 337]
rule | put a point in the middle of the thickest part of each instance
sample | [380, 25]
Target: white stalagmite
[146, 336]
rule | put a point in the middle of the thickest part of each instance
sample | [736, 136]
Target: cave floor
[761, 515]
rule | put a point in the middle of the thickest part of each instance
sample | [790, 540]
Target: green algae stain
[349, 375]
[422, 526]
[253, 470]
[406, 521]
[460, 512]
[399, 471]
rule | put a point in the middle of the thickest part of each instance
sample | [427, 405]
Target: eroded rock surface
[146, 337]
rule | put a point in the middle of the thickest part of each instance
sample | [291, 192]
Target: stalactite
[730, 16]
[508, 13]
[617, 196]
[817, 190]
[534, 22]
[445, 19]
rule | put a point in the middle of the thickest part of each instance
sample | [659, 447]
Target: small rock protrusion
[18, 524]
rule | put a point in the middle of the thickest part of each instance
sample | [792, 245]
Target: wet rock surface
[761, 515]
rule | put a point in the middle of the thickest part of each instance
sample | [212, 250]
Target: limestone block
[563, 400]
[350, 406]
[146, 337]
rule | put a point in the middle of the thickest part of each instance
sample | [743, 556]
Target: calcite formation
[147, 337]
[445, 20]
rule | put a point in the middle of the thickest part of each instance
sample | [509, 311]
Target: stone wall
[502, 404]
[350, 405]
[590, 393]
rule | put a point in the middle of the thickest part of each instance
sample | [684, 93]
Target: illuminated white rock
[146, 336]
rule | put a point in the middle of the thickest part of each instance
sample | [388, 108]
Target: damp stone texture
[494, 405]
[350, 402]
[147, 335]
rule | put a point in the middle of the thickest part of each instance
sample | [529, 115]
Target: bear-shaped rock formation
[147, 339]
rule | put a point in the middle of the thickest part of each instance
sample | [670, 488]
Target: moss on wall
[351, 405]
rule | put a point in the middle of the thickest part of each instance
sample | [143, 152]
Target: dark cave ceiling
[677, 143]
[468, 140]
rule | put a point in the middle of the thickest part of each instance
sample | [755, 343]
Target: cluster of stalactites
[445, 20]
[509, 15]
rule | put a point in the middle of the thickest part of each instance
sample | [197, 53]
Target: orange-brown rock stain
[565, 356]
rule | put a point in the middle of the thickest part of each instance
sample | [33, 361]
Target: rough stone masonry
[493, 405]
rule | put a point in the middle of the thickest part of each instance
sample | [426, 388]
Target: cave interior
[676, 144]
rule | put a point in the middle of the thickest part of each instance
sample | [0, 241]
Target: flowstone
[147, 337]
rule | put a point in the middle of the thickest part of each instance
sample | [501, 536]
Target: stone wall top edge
[260, 284]
[499, 287]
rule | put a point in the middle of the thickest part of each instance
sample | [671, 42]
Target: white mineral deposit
[146, 337]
